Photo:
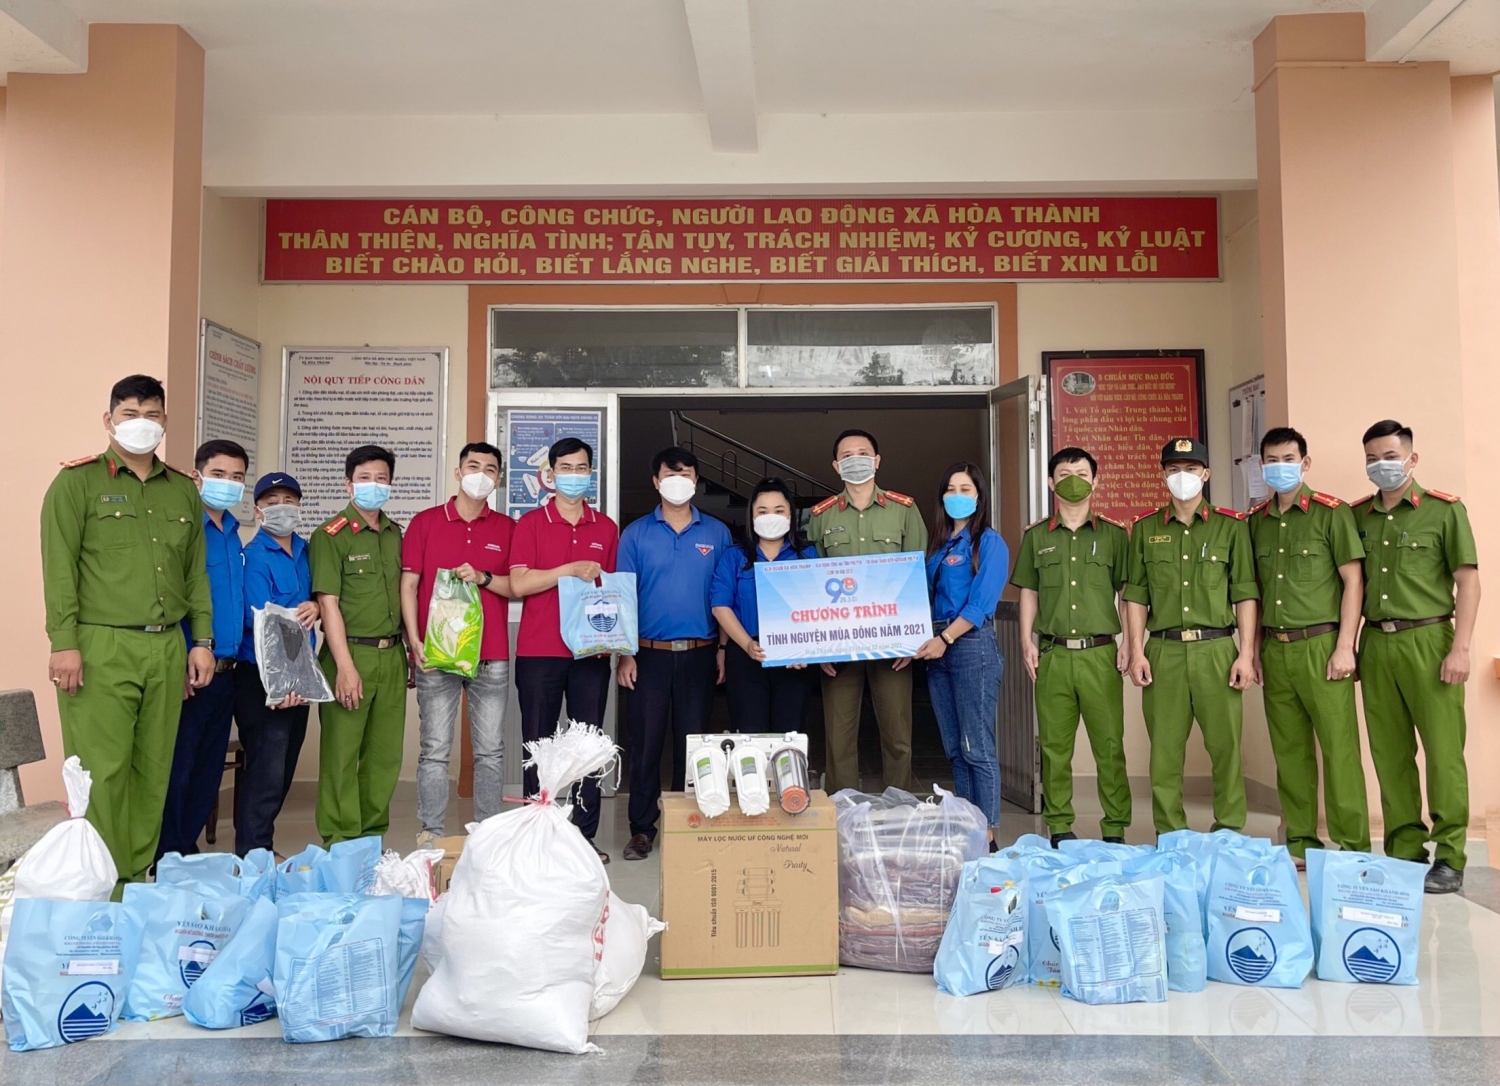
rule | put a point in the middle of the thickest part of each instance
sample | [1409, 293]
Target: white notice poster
[338, 398]
[229, 398]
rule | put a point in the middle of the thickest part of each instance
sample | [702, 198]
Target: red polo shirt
[544, 540]
[438, 538]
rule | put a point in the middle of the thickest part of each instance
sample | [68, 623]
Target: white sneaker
[427, 839]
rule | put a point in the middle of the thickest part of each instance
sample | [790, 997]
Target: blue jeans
[965, 689]
[438, 696]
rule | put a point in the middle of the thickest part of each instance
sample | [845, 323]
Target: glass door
[1018, 496]
[524, 423]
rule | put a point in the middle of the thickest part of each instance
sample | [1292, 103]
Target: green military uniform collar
[1055, 522]
[114, 463]
[1303, 502]
[1413, 496]
[844, 501]
[356, 520]
[1203, 512]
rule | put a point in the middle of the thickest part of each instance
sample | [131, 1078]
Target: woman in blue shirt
[761, 699]
[967, 562]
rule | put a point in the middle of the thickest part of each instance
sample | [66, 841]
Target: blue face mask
[371, 496]
[960, 506]
[573, 486]
[222, 493]
[1282, 478]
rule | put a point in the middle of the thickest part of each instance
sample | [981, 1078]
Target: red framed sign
[1122, 407]
[868, 239]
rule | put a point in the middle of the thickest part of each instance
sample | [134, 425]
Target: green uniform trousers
[122, 724]
[359, 749]
[843, 698]
[1404, 698]
[1070, 682]
[1302, 704]
[1190, 680]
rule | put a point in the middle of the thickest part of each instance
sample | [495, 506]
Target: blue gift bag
[1033, 841]
[413, 926]
[1112, 935]
[183, 928]
[349, 866]
[1079, 850]
[1258, 931]
[337, 958]
[1366, 916]
[235, 989]
[1182, 911]
[250, 878]
[298, 874]
[598, 619]
[984, 942]
[1050, 873]
[68, 965]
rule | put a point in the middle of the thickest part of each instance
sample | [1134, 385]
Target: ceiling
[529, 57]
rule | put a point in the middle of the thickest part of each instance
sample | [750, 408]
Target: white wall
[1134, 316]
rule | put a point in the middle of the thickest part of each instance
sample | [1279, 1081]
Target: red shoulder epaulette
[179, 471]
[1443, 497]
[1258, 507]
[902, 499]
[333, 527]
[82, 460]
[1034, 523]
[1112, 520]
[825, 505]
[1366, 498]
[1235, 513]
[1329, 500]
[1142, 516]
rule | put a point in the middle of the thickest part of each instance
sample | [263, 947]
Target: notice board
[1123, 406]
[229, 399]
[526, 437]
[338, 398]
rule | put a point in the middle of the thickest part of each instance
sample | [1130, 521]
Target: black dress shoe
[1069, 836]
[1443, 878]
[638, 848]
[1114, 840]
[603, 856]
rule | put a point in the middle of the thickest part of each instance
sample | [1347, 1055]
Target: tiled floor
[866, 1026]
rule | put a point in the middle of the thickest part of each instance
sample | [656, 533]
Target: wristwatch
[203, 643]
[488, 577]
[946, 639]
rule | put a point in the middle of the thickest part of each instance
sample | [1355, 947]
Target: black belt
[1202, 634]
[1304, 634]
[223, 664]
[1048, 641]
[1396, 625]
[375, 642]
[683, 644]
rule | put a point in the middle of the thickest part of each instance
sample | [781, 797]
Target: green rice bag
[455, 623]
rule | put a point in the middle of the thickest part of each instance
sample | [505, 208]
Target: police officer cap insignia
[1185, 448]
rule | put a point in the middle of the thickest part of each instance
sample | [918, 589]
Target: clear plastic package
[288, 664]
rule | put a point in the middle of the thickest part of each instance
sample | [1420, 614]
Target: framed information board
[1123, 406]
[229, 398]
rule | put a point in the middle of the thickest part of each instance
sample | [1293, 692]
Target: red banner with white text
[880, 239]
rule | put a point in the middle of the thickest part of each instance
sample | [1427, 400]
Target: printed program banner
[832, 610]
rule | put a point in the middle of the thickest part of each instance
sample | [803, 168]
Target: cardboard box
[749, 897]
[442, 871]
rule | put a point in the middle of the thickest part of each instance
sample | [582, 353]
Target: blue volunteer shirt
[956, 590]
[673, 573]
[272, 576]
[226, 583]
[734, 582]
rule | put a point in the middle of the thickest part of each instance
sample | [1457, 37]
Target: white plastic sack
[409, 876]
[523, 922]
[71, 862]
[627, 929]
[432, 934]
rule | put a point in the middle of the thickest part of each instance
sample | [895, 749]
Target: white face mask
[139, 436]
[772, 526]
[477, 485]
[1185, 486]
[677, 489]
[857, 469]
[281, 520]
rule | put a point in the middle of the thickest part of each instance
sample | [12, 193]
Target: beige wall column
[98, 279]
[1379, 252]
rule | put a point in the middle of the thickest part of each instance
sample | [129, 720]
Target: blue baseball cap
[276, 480]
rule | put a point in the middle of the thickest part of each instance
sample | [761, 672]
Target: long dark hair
[977, 523]
[749, 542]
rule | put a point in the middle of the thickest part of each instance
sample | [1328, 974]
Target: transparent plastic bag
[455, 625]
[900, 859]
[287, 662]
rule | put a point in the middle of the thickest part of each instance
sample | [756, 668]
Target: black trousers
[541, 684]
[763, 699]
[673, 696]
[272, 739]
[197, 765]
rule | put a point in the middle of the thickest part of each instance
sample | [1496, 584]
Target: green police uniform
[1410, 553]
[122, 566]
[1297, 557]
[890, 524]
[1076, 575]
[360, 748]
[1190, 576]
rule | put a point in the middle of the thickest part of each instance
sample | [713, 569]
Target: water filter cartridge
[749, 764]
[710, 771]
[789, 766]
